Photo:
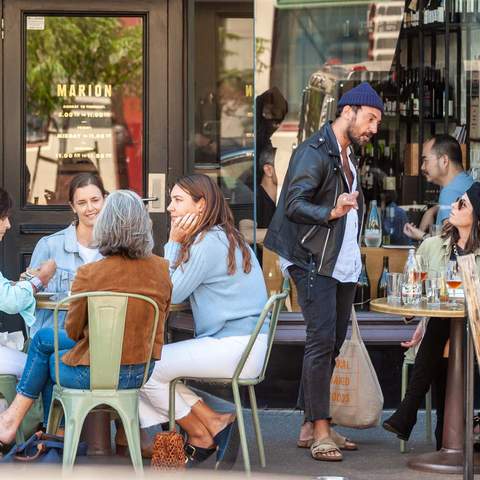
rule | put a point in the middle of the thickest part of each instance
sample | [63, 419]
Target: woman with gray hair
[123, 235]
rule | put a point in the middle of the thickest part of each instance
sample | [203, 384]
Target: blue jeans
[39, 373]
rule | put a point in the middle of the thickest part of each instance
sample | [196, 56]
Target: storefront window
[221, 99]
[83, 103]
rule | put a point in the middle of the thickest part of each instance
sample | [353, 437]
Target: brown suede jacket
[146, 276]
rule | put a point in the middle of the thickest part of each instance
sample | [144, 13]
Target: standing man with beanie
[315, 231]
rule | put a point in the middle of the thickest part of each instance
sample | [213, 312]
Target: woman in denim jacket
[71, 247]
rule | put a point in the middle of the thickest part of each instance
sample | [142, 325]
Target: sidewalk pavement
[378, 457]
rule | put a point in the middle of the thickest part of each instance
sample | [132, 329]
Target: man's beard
[356, 140]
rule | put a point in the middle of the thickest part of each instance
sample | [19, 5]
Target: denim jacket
[63, 248]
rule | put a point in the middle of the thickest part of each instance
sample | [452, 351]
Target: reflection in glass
[84, 103]
[307, 57]
[221, 135]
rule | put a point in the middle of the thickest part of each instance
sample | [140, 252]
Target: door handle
[156, 191]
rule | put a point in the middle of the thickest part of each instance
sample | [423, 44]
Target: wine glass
[454, 280]
[422, 263]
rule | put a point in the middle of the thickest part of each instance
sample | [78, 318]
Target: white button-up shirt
[349, 262]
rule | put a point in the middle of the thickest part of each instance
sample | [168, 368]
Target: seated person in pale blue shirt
[71, 247]
[441, 165]
[212, 266]
[18, 297]
[394, 220]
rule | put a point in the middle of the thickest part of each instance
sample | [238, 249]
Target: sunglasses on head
[461, 202]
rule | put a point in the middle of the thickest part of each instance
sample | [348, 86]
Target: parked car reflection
[234, 175]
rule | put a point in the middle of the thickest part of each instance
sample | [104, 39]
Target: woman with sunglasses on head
[212, 266]
[72, 246]
[460, 236]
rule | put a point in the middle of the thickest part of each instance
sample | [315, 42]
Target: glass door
[77, 79]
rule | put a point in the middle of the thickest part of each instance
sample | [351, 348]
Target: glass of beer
[454, 280]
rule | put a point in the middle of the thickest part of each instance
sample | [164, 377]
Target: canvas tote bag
[356, 399]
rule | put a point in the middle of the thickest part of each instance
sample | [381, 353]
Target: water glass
[65, 281]
[434, 229]
[394, 287]
[433, 286]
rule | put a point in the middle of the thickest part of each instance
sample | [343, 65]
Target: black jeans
[326, 306]
[430, 369]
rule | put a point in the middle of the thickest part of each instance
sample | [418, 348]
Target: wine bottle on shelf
[427, 93]
[448, 108]
[402, 104]
[382, 281]
[439, 89]
[362, 292]
[415, 94]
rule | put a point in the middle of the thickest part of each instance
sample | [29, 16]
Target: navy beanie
[473, 194]
[362, 95]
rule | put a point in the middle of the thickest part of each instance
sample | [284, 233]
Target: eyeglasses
[461, 202]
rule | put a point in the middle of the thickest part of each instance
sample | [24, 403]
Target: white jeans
[12, 362]
[200, 357]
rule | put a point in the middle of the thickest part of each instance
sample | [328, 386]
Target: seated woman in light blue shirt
[212, 266]
[18, 297]
[71, 247]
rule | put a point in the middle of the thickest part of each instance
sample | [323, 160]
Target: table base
[443, 461]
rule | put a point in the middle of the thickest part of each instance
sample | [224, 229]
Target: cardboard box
[412, 167]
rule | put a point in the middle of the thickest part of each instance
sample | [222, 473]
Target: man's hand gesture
[345, 202]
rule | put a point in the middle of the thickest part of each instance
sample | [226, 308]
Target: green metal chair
[273, 305]
[106, 323]
[409, 359]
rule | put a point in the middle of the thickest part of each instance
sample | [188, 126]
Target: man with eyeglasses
[441, 165]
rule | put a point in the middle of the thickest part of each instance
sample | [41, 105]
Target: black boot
[402, 421]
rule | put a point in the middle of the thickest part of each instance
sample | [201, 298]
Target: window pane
[84, 103]
[221, 108]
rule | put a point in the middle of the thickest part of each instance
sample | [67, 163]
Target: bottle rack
[436, 25]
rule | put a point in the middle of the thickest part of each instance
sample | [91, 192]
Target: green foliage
[82, 50]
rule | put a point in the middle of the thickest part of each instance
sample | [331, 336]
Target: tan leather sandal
[321, 449]
[343, 443]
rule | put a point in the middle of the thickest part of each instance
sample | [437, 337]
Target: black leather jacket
[300, 230]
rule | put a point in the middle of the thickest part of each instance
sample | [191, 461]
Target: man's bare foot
[306, 434]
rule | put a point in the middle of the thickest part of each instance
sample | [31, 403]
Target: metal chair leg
[428, 416]
[256, 424]
[171, 404]
[241, 427]
[403, 444]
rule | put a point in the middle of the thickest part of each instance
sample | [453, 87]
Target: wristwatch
[36, 282]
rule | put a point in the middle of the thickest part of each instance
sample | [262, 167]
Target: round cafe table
[450, 459]
[49, 304]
